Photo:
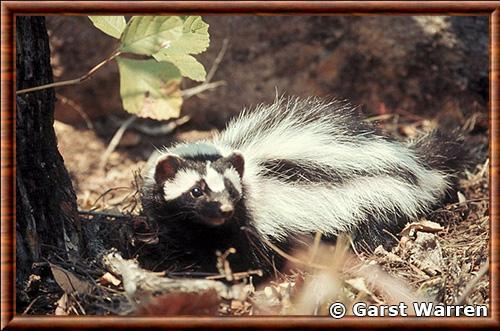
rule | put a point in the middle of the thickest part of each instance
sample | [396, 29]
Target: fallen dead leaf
[108, 278]
[426, 254]
[358, 284]
[411, 229]
[69, 282]
[62, 308]
[461, 197]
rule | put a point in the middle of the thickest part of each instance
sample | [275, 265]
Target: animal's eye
[196, 192]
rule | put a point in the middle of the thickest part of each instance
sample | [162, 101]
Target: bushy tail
[446, 151]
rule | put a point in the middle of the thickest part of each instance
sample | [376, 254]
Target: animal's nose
[226, 210]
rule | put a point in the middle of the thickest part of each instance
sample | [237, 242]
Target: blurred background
[407, 73]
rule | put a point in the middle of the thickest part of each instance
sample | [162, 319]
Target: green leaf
[148, 34]
[110, 25]
[195, 38]
[149, 88]
[188, 65]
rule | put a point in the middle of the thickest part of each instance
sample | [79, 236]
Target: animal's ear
[167, 167]
[237, 161]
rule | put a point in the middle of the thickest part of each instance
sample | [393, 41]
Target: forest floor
[442, 257]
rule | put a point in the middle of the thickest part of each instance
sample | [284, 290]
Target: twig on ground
[391, 235]
[78, 304]
[31, 304]
[115, 141]
[223, 264]
[191, 274]
[353, 246]
[74, 310]
[238, 275]
[470, 286]
[100, 213]
[441, 210]
[140, 283]
[108, 191]
[467, 201]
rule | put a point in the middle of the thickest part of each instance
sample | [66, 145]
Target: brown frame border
[9, 9]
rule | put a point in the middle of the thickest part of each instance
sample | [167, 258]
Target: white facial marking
[234, 178]
[214, 180]
[182, 182]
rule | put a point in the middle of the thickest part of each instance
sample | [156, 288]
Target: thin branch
[353, 246]
[71, 81]
[102, 213]
[191, 274]
[163, 129]
[217, 61]
[206, 85]
[382, 117]
[468, 289]
[238, 275]
[73, 296]
[188, 93]
[467, 201]
[115, 141]
[31, 305]
[141, 284]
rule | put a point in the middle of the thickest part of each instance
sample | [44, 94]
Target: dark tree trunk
[46, 211]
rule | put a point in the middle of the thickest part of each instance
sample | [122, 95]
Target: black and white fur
[287, 170]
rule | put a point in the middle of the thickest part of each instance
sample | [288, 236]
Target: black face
[212, 199]
[209, 207]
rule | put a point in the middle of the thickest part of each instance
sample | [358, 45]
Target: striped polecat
[287, 170]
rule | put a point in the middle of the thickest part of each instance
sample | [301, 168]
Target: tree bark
[46, 211]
